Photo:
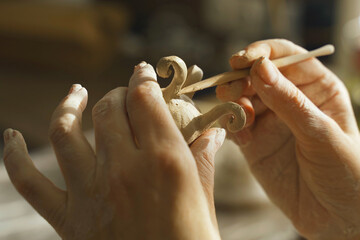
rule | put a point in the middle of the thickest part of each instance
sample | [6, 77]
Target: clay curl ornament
[191, 122]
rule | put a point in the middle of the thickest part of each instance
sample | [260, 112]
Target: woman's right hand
[301, 141]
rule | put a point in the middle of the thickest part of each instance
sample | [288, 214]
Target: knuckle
[66, 99]
[320, 130]
[126, 179]
[259, 43]
[25, 186]
[9, 154]
[327, 127]
[296, 100]
[110, 102]
[335, 88]
[300, 100]
[284, 41]
[75, 103]
[104, 107]
[61, 129]
[145, 93]
[11, 160]
[14, 155]
[170, 164]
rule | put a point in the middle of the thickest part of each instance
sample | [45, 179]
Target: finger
[111, 125]
[234, 90]
[321, 90]
[258, 105]
[248, 108]
[204, 149]
[149, 115]
[287, 101]
[272, 49]
[39, 191]
[301, 73]
[74, 153]
[307, 72]
[325, 90]
[268, 131]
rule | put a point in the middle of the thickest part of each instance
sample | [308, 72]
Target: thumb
[204, 149]
[290, 104]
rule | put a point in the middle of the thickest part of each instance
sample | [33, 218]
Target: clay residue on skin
[246, 58]
[232, 91]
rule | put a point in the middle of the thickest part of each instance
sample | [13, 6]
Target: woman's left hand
[142, 182]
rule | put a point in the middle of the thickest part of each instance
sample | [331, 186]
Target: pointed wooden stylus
[238, 74]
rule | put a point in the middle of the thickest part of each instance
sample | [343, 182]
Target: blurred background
[46, 46]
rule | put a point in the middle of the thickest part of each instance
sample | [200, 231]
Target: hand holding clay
[301, 140]
[142, 182]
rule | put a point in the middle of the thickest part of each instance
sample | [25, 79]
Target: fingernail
[240, 53]
[75, 88]
[140, 65]
[267, 72]
[220, 136]
[147, 73]
[8, 134]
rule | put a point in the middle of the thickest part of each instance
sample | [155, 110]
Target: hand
[301, 141]
[142, 182]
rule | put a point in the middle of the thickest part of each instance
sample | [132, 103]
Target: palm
[276, 168]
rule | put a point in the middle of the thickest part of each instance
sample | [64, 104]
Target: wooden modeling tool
[238, 74]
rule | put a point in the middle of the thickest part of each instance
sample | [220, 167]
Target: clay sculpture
[188, 118]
